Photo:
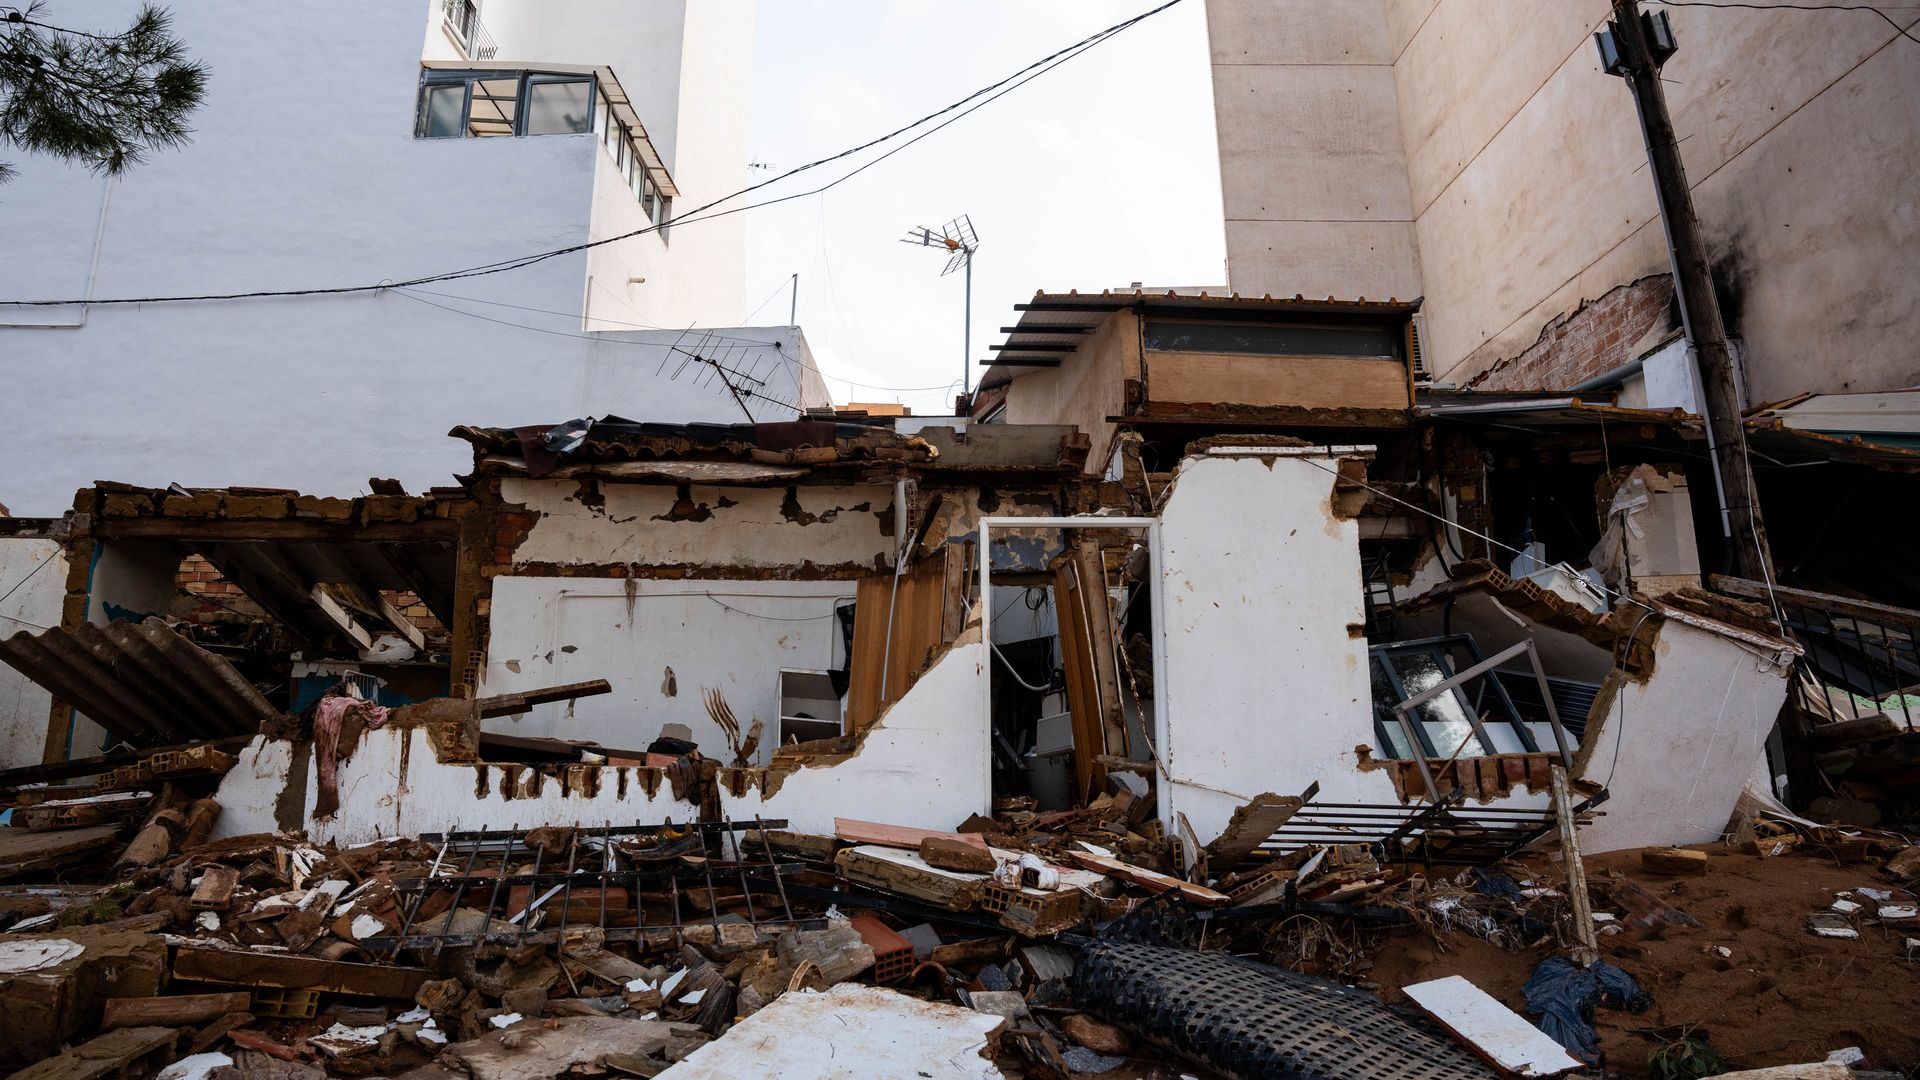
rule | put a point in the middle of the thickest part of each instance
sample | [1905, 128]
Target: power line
[1898, 29]
[984, 95]
[774, 345]
[715, 365]
[782, 287]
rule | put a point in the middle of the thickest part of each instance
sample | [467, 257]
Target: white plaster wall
[745, 527]
[33, 578]
[925, 765]
[1687, 740]
[731, 636]
[293, 184]
[1265, 689]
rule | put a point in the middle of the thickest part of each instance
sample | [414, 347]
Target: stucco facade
[282, 189]
[1482, 160]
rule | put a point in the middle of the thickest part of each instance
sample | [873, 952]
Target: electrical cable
[749, 319]
[774, 345]
[769, 618]
[1901, 30]
[585, 337]
[44, 563]
[985, 95]
[1621, 596]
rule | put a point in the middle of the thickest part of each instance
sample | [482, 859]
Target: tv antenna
[958, 239]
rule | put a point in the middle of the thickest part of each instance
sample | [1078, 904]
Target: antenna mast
[958, 239]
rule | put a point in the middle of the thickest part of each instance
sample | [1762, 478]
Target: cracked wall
[817, 529]
[924, 764]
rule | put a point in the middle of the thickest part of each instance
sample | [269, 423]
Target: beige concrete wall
[1312, 167]
[1528, 192]
[1087, 387]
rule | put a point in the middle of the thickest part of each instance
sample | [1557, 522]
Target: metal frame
[1445, 832]
[543, 884]
[1415, 734]
[1162, 743]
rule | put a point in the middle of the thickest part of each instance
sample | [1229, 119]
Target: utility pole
[1634, 46]
[793, 303]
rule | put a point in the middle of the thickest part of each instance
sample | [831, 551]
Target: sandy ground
[1784, 996]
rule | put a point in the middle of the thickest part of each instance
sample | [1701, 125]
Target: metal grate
[1251, 1020]
[1446, 833]
[617, 870]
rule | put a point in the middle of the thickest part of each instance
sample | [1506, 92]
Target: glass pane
[1446, 722]
[495, 102]
[442, 108]
[1383, 697]
[1359, 341]
[559, 108]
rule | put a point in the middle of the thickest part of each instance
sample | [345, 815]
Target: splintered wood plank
[1150, 879]
[905, 872]
[856, 831]
[25, 852]
[1250, 827]
[1490, 1029]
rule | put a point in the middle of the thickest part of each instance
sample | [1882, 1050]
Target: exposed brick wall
[1595, 338]
[207, 597]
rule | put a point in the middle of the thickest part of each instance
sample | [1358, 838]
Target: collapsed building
[1227, 564]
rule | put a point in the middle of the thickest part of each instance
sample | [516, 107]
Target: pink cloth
[328, 718]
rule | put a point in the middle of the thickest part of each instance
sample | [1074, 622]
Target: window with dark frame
[457, 104]
[1359, 341]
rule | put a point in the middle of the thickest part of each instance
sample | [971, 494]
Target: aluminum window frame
[1441, 649]
[431, 78]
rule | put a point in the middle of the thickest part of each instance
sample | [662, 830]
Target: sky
[1097, 174]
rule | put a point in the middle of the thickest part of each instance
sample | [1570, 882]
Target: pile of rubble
[1062, 943]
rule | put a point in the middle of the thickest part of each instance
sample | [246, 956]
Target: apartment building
[1478, 157]
[372, 143]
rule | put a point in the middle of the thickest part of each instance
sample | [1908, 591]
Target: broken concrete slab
[49, 1005]
[127, 1052]
[537, 1051]
[850, 1030]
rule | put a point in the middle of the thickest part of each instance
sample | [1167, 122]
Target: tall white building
[342, 145]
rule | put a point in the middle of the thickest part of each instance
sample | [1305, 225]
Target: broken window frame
[1414, 732]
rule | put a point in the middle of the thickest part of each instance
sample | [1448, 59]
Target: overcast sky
[1096, 174]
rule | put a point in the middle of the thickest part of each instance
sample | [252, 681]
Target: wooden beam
[216, 530]
[1150, 879]
[87, 766]
[856, 831]
[292, 972]
[399, 621]
[340, 617]
[172, 1010]
[509, 704]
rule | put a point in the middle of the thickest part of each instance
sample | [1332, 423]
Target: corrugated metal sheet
[144, 683]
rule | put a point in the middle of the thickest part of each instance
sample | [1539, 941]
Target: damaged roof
[144, 683]
[759, 453]
[1052, 324]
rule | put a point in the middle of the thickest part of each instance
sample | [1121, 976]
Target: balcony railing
[464, 26]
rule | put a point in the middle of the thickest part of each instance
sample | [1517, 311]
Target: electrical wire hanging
[960, 108]
[1897, 28]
